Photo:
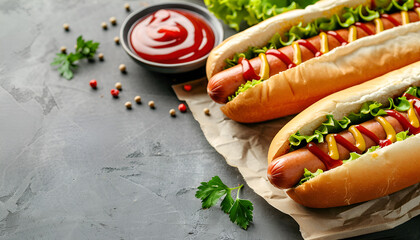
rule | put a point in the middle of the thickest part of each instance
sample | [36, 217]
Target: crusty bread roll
[373, 175]
[293, 90]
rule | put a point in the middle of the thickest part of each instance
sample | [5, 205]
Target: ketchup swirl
[171, 36]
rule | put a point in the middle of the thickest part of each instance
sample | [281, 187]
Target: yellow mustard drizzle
[324, 42]
[297, 56]
[379, 26]
[389, 130]
[360, 141]
[332, 147]
[265, 68]
[418, 11]
[352, 33]
[414, 121]
[405, 18]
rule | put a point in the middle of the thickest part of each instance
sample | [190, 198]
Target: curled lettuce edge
[234, 13]
[370, 108]
[348, 17]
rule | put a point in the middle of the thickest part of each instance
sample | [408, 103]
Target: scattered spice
[172, 112]
[122, 68]
[127, 7]
[151, 104]
[101, 56]
[182, 107]
[128, 105]
[67, 63]
[206, 111]
[66, 26]
[115, 92]
[187, 87]
[104, 25]
[137, 99]
[63, 49]
[118, 86]
[93, 83]
[117, 40]
[113, 20]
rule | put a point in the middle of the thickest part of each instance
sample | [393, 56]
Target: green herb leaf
[239, 210]
[241, 213]
[227, 202]
[66, 62]
[210, 192]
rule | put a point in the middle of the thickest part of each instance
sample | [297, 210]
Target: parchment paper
[245, 146]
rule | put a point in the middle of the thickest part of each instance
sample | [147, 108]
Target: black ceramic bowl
[133, 18]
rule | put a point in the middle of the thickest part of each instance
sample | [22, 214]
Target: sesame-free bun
[371, 176]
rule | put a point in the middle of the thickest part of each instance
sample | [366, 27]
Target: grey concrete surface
[75, 164]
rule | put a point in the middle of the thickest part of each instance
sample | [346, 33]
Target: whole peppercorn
[117, 40]
[122, 68]
[113, 20]
[206, 111]
[66, 26]
[127, 7]
[151, 104]
[101, 56]
[118, 86]
[128, 105]
[182, 107]
[187, 87]
[104, 25]
[93, 83]
[63, 49]
[115, 92]
[137, 99]
[172, 112]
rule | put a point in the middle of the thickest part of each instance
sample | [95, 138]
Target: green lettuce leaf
[307, 175]
[234, 12]
[413, 91]
[354, 155]
[403, 135]
[244, 87]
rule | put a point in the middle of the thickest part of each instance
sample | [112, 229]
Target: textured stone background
[75, 164]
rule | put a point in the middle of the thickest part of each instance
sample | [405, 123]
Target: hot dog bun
[293, 90]
[373, 175]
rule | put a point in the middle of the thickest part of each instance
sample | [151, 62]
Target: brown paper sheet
[245, 146]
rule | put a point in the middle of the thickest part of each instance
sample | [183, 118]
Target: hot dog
[294, 76]
[366, 121]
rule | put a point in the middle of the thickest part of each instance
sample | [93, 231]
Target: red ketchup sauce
[338, 37]
[172, 36]
[248, 70]
[309, 46]
[280, 55]
[364, 28]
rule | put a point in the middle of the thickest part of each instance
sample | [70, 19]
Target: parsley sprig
[66, 62]
[239, 210]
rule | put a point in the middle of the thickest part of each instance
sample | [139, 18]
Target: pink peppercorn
[93, 83]
[115, 92]
[182, 107]
[187, 87]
